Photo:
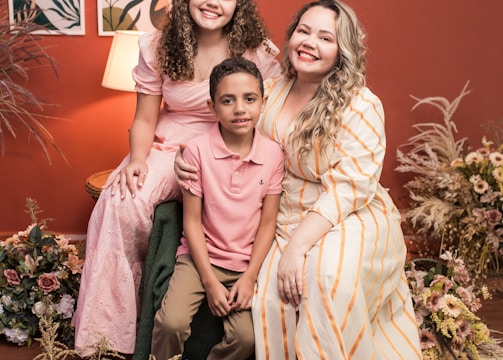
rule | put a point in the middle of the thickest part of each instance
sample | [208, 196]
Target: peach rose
[48, 282]
[12, 277]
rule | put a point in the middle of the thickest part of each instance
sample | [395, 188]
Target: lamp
[122, 58]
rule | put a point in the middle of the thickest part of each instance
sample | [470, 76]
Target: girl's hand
[183, 171]
[125, 179]
[290, 275]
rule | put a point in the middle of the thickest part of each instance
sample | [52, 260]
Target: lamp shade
[123, 57]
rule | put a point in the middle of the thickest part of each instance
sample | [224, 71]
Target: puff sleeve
[146, 74]
[265, 58]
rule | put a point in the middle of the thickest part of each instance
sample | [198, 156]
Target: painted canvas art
[141, 15]
[58, 17]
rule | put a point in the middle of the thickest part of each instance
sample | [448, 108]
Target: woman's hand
[290, 275]
[183, 171]
[125, 179]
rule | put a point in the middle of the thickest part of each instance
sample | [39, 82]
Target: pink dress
[118, 230]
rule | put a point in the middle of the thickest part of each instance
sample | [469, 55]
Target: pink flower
[483, 151]
[427, 339]
[48, 282]
[64, 243]
[12, 277]
[475, 305]
[434, 302]
[74, 263]
[493, 217]
[465, 295]
[464, 328]
[461, 274]
[444, 283]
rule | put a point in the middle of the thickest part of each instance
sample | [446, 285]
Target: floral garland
[39, 276]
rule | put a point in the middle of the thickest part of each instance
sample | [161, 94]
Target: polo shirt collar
[220, 151]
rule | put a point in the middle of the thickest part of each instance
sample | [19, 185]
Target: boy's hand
[217, 295]
[241, 294]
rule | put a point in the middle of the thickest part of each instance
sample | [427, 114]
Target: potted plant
[21, 52]
[456, 194]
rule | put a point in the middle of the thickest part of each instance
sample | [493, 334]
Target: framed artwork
[140, 15]
[58, 17]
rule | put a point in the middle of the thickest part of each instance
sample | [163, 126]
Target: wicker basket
[95, 182]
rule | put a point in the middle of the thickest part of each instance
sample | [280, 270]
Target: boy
[229, 218]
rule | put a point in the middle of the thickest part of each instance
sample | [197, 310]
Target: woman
[332, 285]
[173, 67]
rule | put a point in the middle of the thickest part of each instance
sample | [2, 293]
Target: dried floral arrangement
[21, 52]
[445, 303]
[54, 349]
[39, 277]
[456, 194]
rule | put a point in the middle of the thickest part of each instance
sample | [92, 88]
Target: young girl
[173, 69]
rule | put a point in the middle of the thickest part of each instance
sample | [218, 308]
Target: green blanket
[207, 330]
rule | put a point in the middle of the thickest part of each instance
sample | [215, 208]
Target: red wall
[424, 48]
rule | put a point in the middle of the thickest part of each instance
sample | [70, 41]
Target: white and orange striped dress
[356, 302]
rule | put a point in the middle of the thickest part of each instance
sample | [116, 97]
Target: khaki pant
[181, 302]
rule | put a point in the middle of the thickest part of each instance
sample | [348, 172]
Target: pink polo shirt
[232, 191]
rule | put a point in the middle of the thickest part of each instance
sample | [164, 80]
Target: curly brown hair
[178, 44]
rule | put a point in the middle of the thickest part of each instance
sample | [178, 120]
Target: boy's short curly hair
[233, 66]
[178, 44]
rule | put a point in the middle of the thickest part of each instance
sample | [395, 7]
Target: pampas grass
[21, 51]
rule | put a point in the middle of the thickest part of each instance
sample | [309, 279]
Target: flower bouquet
[456, 195]
[39, 277]
[445, 303]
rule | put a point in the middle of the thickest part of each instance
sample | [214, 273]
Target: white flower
[496, 158]
[480, 186]
[39, 309]
[1, 309]
[474, 178]
[31, 263]
[451, 305]
[498, 174]
[6, 300]
[16, 336]
[65, 306]
[474, 158]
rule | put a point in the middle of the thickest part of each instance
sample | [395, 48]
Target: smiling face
[212, 14]
[238, 104]
[312, 47]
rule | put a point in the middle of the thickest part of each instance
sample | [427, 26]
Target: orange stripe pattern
[356, 304]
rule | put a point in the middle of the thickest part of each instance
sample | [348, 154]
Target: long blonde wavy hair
[317, 124]
[178, 44]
